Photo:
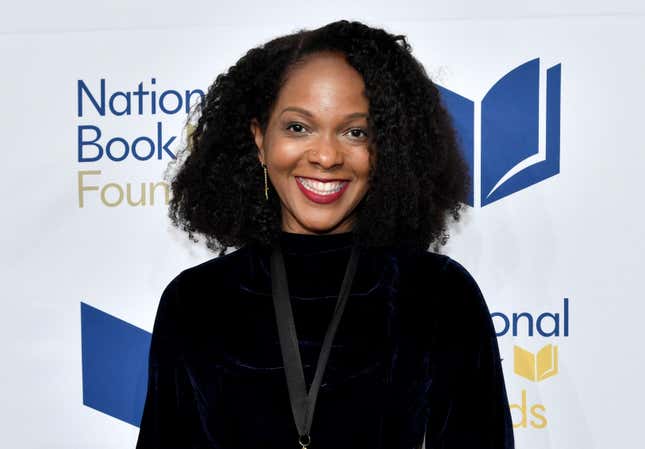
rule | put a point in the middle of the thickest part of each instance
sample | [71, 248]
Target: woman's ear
[256, 130]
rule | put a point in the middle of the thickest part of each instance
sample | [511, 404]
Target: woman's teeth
[322, 188]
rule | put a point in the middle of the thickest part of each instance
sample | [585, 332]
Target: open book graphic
[536, 368]
[115, 364]
[513, 153]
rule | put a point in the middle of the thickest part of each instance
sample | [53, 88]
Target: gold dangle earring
[266, 184]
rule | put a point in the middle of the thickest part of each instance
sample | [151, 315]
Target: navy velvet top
[415, 354]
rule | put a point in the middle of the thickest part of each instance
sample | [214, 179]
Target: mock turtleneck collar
[315, 266]
[301, 244]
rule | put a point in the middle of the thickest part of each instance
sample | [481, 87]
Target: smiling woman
[327, 158]
[316, 146]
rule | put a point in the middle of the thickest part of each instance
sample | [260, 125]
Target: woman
[327, 159]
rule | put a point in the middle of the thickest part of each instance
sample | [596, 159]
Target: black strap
[303, 404]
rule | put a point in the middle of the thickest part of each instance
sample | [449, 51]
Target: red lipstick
[320, 198]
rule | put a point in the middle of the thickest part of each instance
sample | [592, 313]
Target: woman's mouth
[321, 192]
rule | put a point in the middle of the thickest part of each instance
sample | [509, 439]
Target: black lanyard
[303, 404]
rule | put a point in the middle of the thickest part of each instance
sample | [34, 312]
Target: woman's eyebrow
[302, 111]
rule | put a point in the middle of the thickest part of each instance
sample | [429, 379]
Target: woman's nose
[327, 152]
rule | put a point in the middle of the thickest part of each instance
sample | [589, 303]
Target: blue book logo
[511, 159]
[115, 365]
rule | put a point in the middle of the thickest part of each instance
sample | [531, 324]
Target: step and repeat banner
[550, 114]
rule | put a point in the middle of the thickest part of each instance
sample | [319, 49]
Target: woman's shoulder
[219, 268]
[440, 270]
[212, 278]
[196, 293]
[440, 289]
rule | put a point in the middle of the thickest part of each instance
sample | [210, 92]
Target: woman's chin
[323, 226]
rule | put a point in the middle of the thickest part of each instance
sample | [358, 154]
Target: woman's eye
[296, 127]
[357, 133]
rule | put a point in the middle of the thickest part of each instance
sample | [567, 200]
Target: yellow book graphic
[536, 368]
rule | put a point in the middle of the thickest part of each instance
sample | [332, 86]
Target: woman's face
[315, 145]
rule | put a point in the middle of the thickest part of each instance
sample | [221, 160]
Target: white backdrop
[576, 235]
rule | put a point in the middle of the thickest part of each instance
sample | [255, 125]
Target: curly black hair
[419, 180]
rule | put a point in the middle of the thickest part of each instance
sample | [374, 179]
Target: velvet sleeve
[468, 390]
[169, 419]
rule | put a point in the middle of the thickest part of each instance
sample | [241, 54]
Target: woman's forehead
[324, 82]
